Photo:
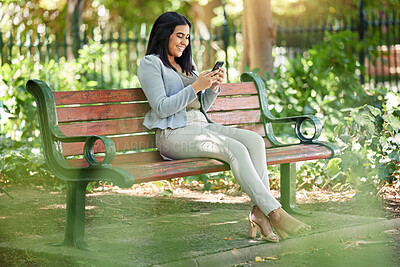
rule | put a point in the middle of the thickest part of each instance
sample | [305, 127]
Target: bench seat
[160, 170]
[97, 135]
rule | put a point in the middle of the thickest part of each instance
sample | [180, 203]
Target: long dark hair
[162, 29]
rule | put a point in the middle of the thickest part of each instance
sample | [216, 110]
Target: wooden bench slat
[245, 88]
[99, 96]
[258, 128]
[104, 127]
[131, 110]
[152, 169]
[135, 125]
[235, 103]
[235, 117]
[123, 143]
[135, 94]
[128, 143]
[175, 169]
[296, 153]
[101, 112]
[122, 159]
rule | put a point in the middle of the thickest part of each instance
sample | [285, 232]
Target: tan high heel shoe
[302, 228]
[253, 226]
[298, 230]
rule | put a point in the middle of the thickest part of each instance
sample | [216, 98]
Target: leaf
[386, 169]
[271, 258]
[333, 166]
[166, 193]
[392, 121]
[89, 187]
[366, 120]
[354, 110]
[345, 138]
[375, 111]
[258, 259]
[349, 159]
[92, 83]
[337, 130]
[394, 155]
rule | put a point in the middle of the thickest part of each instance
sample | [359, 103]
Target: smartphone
[217, 65]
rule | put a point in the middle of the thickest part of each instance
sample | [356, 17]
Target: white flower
[4, 116]
[356, 146]
[396, 139]
[393, 101]
[3, 89]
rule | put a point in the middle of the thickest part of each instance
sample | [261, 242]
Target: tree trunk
[74, 21]
[202, 15]
[258, 35]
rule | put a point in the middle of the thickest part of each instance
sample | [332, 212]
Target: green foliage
[20, 162]
[322, 80]
[211, 181]
[19, 124]
[370, 141]
[18, 113]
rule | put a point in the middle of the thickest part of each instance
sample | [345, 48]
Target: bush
[20, 163]
[321, 81]
[370, 141]
[19, 125]
[325, 82]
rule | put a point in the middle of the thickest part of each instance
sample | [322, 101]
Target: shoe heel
[252, 230]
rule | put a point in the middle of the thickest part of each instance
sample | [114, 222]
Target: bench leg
[288, 190]
[75, 223]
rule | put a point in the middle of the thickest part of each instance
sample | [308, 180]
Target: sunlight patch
[200, 214]
[54, 206]
[224, 223]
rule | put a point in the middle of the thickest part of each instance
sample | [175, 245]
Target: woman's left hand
[221, 74]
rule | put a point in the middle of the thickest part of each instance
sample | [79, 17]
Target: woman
[179, 98]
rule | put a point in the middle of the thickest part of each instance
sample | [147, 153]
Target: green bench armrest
[298, 121]
[268, 119]
[88, 149]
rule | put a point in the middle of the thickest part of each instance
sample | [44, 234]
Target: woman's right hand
[205, 80]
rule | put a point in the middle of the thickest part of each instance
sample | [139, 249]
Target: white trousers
[243, 150]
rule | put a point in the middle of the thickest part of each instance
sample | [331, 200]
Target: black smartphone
[217, 65]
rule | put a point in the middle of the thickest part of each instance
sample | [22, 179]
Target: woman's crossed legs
[244, 151]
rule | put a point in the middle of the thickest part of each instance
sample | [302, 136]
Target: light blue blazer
[167, 95]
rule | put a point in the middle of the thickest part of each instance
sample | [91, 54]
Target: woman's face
[178, 41]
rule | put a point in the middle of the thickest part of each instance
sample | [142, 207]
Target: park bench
[109, 122]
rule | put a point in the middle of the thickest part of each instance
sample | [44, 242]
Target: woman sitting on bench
[179, 98]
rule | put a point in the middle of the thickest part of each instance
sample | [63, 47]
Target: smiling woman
[178, 41]
[179, 98]
[169, 31]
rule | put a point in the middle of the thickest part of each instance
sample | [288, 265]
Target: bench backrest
[119, 115]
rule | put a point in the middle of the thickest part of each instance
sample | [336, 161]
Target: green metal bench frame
[77, 178]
